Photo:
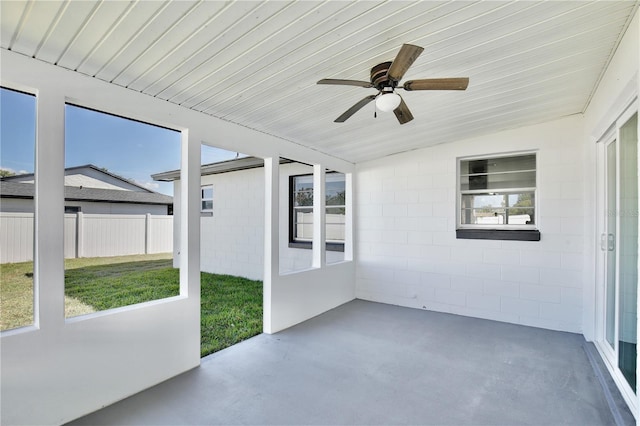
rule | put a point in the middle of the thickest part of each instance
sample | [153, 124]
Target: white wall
[408, 253]
[59, 369]
[232, 238]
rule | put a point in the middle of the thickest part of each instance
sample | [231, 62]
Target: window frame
[304, 244]
[203, 211]
[525, 232]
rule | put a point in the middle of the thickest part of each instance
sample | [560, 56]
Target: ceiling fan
[385, 77]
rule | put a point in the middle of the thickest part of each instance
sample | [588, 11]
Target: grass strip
[231, 307]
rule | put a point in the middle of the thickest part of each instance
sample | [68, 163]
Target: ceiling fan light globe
[387, 102]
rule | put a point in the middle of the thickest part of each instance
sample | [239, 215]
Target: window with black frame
[301, 211]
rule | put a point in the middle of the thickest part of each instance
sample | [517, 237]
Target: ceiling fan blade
[437, 84]
[348, 113]
[406, 56]
[402, 113]
[339, 82]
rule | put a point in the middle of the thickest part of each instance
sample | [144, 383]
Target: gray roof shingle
[72, 193]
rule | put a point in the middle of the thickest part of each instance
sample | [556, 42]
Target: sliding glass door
[618, 222]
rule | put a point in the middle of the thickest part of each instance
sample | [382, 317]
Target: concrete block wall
[408, 254]
[232, 237]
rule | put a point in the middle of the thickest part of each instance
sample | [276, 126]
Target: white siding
[232, 238]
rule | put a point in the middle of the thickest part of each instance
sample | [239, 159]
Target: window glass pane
[303, 183]
[498, 165]
[207, 192]
[206, 203]
[498, 209]
[303, 198]
[335, 224]
[118, 246]
[335, 217]
[628, 251]
[302, 208]
[17, 161]
[334, 189]
[499, 181]
[304, 224]
[296, 207]
[303, 191]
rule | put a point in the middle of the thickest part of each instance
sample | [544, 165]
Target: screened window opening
[301, 233]
[118, 247]
[17, 187]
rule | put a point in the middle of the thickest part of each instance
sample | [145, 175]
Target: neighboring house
[232, 218]
[106, 215]
[88, 189]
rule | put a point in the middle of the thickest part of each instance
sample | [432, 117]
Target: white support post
[319, 217]
[177, 202]
[190, 216]
[271, 236]
[147, 233]
[348, 218]
[49, 211]
[79, 234]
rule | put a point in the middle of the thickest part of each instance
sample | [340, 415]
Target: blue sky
[127, 148]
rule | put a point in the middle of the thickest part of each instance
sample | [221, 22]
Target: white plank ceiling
[256, 63]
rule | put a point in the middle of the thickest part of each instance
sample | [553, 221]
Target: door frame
[609, 355]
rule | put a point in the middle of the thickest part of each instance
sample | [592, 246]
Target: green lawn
[231, 307]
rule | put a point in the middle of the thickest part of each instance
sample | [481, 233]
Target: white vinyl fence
[90, 235]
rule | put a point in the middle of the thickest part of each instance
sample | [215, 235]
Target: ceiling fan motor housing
[379, 76]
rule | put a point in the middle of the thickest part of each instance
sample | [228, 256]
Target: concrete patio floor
[370, 363]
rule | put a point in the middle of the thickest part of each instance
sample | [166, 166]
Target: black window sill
[499, 234]
[307, 245]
